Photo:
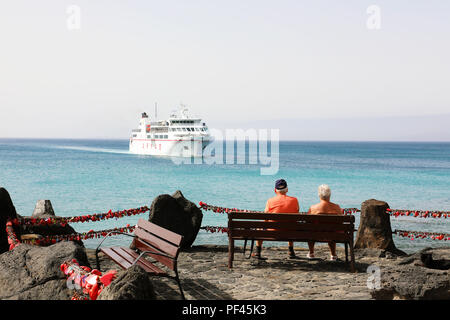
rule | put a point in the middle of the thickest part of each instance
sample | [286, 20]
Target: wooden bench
[291, 227]
[149, 240]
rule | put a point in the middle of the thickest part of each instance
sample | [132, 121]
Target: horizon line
[281, 140]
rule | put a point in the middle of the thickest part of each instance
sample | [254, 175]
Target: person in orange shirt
[281, 203]
[325, 206]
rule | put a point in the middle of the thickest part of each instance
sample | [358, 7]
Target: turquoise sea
[94, 176]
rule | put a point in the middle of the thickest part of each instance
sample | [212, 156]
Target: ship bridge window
[184, 129]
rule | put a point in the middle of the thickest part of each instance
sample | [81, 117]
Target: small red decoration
[81, 277]
[422, 235]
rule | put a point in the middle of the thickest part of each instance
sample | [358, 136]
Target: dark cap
[280, 184]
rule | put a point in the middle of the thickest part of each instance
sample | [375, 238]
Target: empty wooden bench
[291, 227]
[149, 240]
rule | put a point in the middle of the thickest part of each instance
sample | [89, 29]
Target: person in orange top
[324, 207]
[281, 203]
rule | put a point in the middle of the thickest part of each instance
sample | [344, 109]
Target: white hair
[324, 192]
[282, 191]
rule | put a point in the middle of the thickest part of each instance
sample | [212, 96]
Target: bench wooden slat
[290, 235]
[291, 225]
[121, 261]
[143, 246]
[147, 265]
[126, 256]
[157, 242]
[292, 217]
[161, 232]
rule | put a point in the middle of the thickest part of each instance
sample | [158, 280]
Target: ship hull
[169, 147]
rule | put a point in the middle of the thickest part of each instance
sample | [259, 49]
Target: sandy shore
[204, 275]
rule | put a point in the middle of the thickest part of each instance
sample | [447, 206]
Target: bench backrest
[151, 237]
[290, 226]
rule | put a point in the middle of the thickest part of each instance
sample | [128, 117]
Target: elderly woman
[324, 207]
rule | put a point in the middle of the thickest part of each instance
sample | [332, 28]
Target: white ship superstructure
[180, 136]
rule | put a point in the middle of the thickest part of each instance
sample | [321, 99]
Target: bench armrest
[152, 252]
[115, 232]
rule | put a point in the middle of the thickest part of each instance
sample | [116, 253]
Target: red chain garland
[52, 239]
[418, 213]
[422, 235]
[91, 234]
[12, 238]
[402, 233]
[214, 229]
[63, 221]
[346, 211]
[350, 211]
[217, 209]
[13, 241]
[85, 218]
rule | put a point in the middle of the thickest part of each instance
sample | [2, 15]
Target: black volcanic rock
[176, 213]
[420, 276]
[375, 228]
[7, 210]
[130, 284]
[33, 273]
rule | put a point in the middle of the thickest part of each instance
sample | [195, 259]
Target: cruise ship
[180, 136]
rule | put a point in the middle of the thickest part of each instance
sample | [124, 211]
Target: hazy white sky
[250, 60]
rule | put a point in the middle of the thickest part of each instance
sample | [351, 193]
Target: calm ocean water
[93, 176]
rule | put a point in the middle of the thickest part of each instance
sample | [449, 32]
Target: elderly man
[281, 203]
[324, 207]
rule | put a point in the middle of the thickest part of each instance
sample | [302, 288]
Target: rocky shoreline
[33, 273]
[205, 276]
